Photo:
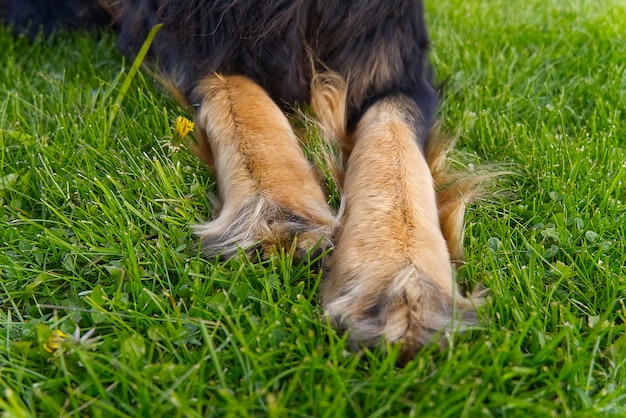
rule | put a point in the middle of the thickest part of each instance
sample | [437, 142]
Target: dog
[362, 68]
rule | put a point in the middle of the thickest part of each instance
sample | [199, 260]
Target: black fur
[272, 42]
[32, 16]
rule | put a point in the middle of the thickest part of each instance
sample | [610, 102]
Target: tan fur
[391, 275]
[455, 190]
[269, 192]
[328, 103]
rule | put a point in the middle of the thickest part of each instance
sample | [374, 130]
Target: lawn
[95, 239]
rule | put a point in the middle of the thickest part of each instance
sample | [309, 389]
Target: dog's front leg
[269, 193]
[391, 276]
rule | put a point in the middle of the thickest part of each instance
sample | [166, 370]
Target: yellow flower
[61, 343]
[183, 127]
[54, 342]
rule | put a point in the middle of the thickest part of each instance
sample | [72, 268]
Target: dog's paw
[261, 225]
[378, 305]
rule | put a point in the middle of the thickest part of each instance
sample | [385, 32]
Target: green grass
[95, 233]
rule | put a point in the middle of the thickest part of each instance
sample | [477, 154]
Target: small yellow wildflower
[54, 342]
[183, 127]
